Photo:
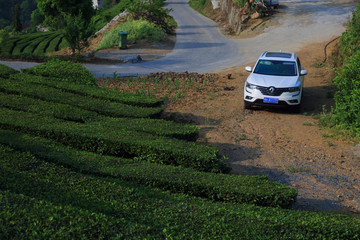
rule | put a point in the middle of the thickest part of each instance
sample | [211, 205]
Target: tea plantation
[37, 44]
[81, 162]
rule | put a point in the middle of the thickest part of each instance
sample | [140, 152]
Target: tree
[56, 10]
[36, 18]
[16, 15]
[152, 11]
[27, 7]
[77, 31]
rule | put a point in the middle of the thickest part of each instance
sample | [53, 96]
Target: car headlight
[250, 86]
[294, 89]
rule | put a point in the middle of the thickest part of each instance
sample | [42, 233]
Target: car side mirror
[303, 72]
[248, 68]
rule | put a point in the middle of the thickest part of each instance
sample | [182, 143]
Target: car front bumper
[255, 97]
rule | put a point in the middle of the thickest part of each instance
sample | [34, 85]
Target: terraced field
[37, 44]
[79, 161]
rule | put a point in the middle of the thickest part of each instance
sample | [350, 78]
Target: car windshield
[278, 68]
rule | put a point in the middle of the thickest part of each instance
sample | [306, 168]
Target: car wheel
[247, 105]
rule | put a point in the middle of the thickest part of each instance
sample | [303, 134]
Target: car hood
[275, 81]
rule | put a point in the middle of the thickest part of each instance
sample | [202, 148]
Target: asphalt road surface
[201, 47]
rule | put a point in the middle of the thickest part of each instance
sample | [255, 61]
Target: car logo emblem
[271, 89]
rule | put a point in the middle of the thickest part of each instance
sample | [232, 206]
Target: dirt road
[289, 147]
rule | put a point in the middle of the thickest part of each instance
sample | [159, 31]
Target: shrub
[6, 71]
[70, 113]
[220, 187]
[92, 91]
[61, 69]
[350, 39]
[154, 12]
[100, 106]
[347, 97]
[122, 142]
[39, 199]
[137, 30]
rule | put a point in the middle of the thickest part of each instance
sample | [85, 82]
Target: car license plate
[271, 100]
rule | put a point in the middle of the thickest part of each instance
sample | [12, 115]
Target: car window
[299, 64]
[278, 68]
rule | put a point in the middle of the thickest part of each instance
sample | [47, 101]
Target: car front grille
[272, 92]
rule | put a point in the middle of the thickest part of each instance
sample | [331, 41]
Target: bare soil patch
[289, 147]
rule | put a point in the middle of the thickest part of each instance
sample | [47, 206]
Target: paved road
[200, 47]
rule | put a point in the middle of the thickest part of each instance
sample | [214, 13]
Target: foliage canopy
[55, 10]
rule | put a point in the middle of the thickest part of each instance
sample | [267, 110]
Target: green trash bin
[122, 40]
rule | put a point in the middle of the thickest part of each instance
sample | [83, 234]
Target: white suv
[276, 80]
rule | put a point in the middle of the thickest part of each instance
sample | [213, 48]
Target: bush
[6, 71]
[43, 46]
[122, 142]
[92, 91]
[154, 12]
[350, 39]
[61, 69]
[220, 187]
[100, 106]
[3, 35]
[137, 30]
[70, 113]
[347, 97]
[40, 199]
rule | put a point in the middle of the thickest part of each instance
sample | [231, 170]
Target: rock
[244, 18]
[133, 59]
[255, 15]
[216, 4]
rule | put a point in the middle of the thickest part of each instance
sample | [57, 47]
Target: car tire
[247, 105]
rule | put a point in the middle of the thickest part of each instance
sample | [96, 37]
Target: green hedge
[62, 69]
[30, 218]
[63, 43]
[42, 47]
[67, 112]
[54, 43]
[347, 96]
[8, 45]
[153, 126]
[32, 43]
[56, 110]
[50, 94]
[91, 207]
[91, 91]
[124, 143]
[6, 71]
[346, 115]
[350, 39]
[26, 40]
[220, 187]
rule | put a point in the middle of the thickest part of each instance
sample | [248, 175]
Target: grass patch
[136, 29]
